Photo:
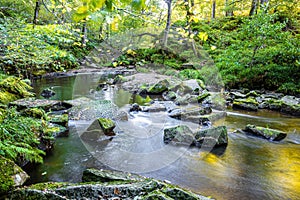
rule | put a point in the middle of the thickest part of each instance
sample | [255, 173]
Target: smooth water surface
[248, 168]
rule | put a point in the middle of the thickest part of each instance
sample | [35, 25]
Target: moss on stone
[159, 87]
[107, 125]
[8, 171]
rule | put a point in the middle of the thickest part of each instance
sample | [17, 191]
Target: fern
[19, 137]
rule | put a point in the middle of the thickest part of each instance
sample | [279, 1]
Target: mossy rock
[107, 126]
[203, 96]
[266, 133]
[119, 79]
[159, 87]
[245, 104]
[116, 185]
[181, 135]
[211, 137]
[11, 175]
[56, 130]
[94, 175]
[61, 119]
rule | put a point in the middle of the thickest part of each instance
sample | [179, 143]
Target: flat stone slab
[117, 187]
[44, 104]
[266, 133]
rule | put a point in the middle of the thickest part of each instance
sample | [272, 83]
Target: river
[248, 168]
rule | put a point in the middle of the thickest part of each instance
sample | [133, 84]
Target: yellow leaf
[213, 47]
[115, 64]
[203, 36]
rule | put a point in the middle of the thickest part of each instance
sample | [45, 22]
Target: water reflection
[249, 168]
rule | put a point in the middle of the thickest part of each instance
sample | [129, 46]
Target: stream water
[248, 168]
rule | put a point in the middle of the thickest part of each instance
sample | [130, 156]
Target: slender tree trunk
[228, 12]
[263, 4]
[213, 10]
[36, 12]
[168, 25]
[254, 7]
[84, 33]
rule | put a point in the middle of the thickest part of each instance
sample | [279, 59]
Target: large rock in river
[11, 175]
[115, 185]
[181, 134]
[211, 137]
[245, 104]
[44, 104]
[266, 133]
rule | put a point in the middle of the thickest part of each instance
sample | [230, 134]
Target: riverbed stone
[159, 87]
[156, 106]
[107, 126]
[115, 185]
[203, 96]
[11, 175]
[56, 130]
[211, 137]
[60, 119]
[182, 113]
[93, 109]
[178, 135]
[47, 93]
[94, 175]
[266, 133]
[44, 104]
[245, 104]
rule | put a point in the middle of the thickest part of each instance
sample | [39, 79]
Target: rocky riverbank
[105, 184]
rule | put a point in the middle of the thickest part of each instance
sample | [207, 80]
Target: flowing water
[248, 168]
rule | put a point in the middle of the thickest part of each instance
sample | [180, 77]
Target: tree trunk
[84, 33]
[36, 12]
[254, 7]
[213, 10]
[263, 5]
[229, 11]
[168, 25]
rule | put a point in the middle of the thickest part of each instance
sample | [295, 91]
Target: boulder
[186, 99]
[56, 130]
[86, 109]
[11, 175]
[135, 108]
[181, 135]
[237, 95]
[47, 93]
[107, 126]
[266, 133]
[159, 87]
[156, 106]
[105, 184]
[60, 119]
[179, 113]
[44, 104]
[245, 104]
[203, 96]
[169, 95]
[94, 175]
[211, 137]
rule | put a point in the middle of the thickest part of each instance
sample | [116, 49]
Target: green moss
[159, 87]
[249, 100]
[49, 185]
[107, 125]
[7, 169]
[203, 96]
